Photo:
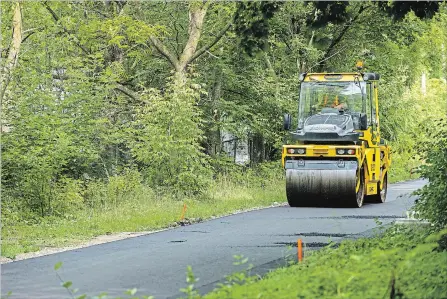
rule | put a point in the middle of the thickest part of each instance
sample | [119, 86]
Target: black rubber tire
[357, 200]
[380, 197]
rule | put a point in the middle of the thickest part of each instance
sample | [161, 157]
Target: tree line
[94, 90]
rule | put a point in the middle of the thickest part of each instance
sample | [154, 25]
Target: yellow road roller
[336, 153]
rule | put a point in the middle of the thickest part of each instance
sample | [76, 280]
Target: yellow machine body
[351, 171]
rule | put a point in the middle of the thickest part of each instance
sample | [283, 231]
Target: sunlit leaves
[57, 266]
[90, 97]
[67, 284]
[166, 138]
[433, 197]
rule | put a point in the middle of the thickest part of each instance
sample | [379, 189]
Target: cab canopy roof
[343, 77]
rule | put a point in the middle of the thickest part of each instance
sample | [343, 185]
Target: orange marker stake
[300, 250]
[183, 212]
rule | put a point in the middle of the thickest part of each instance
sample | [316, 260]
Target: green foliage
[398, 9]
[404, 262]
[117, 190]
[416, 127]
[238, 277]
[432, 202]
[329, 12]
[257, 176]
[252, 24]
[57, 266]
[130, 294]
[102, 120]
[190, 292]
[41, 148]
[125, 203]
[166, 138]
[401, 262]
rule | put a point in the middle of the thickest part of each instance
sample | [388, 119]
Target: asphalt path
[156, 264]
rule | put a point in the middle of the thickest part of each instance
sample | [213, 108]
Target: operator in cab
[340, 105]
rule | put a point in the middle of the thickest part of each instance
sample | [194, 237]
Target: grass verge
[405, 262]
[144, 212]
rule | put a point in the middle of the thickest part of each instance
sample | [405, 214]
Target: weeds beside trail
[406, 262]
[125, 205]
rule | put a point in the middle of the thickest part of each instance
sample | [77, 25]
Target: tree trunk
[257, 149]
[197, 14]
[214, 131]
[13, 56]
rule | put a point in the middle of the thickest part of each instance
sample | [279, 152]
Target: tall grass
[125, 204]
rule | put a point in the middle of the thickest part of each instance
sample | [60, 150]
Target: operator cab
[335, 107]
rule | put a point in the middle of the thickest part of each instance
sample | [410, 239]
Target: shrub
[432, 203]
[166, 139]
[115, 191]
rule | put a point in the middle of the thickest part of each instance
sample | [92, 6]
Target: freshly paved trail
[156, 264]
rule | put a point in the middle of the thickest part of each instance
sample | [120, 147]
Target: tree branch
[160, 47]
[176, 35]
[287, 44]
[237, 92]
[26, 37]
[269, 64]
[127, 92]
[327, 58]
[56, 19]
[340, 36]
[202, 50]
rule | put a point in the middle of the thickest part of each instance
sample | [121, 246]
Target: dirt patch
[121, 236]
[4, 260]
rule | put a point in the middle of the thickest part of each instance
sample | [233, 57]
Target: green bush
[432, 202]
[406, 262]
[68, 197]
[55, 199]
[166, 139]
[257, 176]
[106, 194]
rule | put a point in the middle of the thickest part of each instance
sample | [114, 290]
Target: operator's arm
[343, 106]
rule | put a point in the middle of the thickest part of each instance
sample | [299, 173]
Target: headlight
[341, 151]
[299, 151]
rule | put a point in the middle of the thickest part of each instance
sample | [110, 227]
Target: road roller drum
[312, 182]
